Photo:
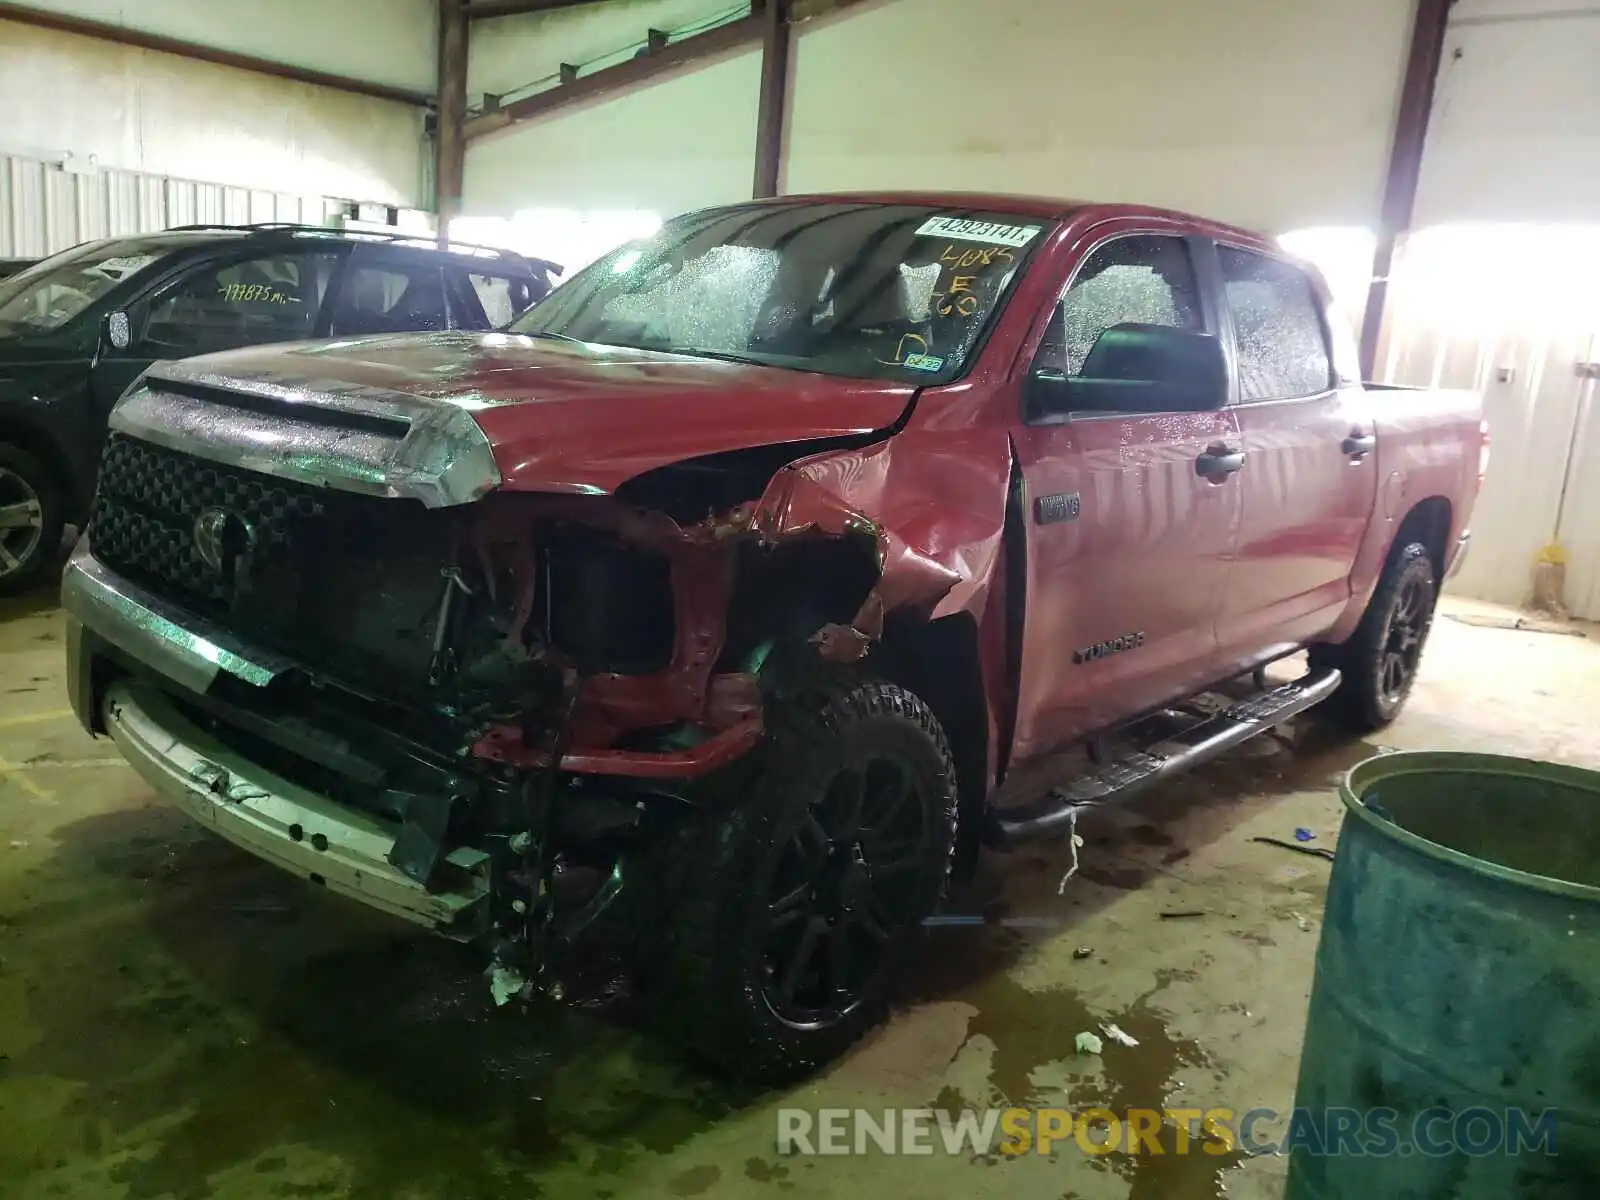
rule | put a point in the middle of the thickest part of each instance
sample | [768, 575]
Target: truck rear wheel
[791, 903]
[30, 518]
[1380, 661]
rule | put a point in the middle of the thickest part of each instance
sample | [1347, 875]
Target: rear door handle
[1359, 444]
[1218, 462]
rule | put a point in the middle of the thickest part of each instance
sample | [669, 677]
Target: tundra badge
[1116, 645]
[1063, 506]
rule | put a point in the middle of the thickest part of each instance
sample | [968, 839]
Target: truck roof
[1048, 208]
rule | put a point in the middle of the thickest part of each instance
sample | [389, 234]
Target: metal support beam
[773, 113]
[1405, 162]
[734, 35]
[449, 140]
[483, 10]
[649, 66]
[121, 35]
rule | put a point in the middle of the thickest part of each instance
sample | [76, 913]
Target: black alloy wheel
[779, 915]
[845, 886]
[30, 518]
[1380, 661]
[1407, 629]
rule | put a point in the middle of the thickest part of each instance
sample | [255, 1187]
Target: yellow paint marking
[10, 771]
[75, 763]
[55, 714]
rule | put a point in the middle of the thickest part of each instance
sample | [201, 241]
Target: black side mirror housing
[1136, 368]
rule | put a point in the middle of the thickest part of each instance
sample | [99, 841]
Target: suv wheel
[792, 904]
[30, 518]
[1380, 660]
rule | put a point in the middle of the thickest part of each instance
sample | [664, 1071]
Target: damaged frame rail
[803, 501]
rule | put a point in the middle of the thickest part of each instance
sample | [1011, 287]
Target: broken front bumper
[279, 821]
[114, 627]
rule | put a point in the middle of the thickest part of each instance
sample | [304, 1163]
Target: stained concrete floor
[178, 1020]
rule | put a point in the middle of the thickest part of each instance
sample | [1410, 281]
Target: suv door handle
[1358, 445]
[1218, 462]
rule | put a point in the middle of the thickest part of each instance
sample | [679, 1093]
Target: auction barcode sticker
[989, 232]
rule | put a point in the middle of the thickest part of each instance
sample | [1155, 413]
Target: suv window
[272, 298]
[1146, 279]
[47, 295]
[392, 297]
[502, 298]
[1283, 346]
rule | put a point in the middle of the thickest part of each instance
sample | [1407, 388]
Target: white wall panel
[382, 41]
[684, 142]
[1269, 113]
[1515, 131]
[44, 209]
[136, 110]
[1511, 312]
[1273, 113]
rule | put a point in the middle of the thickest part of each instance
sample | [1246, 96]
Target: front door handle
[1218, 462]
[1359, 445]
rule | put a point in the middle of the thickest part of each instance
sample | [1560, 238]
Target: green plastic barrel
[1453, 1045]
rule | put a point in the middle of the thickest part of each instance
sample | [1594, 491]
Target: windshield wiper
[696, 352]
[553, 336]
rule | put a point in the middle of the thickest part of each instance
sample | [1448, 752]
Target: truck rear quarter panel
[1428, 442]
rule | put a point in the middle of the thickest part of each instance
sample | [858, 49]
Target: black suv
[78, 327]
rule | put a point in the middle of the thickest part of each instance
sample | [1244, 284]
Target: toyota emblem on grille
[222, 538]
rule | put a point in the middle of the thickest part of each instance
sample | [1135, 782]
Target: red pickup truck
[710, 606]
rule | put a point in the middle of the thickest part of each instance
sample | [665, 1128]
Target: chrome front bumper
[1458, 555]
[277, 820]
[177, 644]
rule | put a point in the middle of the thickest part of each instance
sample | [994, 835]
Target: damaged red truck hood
[581, 418]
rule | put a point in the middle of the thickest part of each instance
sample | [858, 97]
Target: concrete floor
[177, 1020]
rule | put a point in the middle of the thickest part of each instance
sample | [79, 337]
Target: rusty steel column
[1405, 162]
[774, 98]
[450, 140]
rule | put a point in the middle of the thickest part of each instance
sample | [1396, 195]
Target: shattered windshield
[878, 291]
[53, 292]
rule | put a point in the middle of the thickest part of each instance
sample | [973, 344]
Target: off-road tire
[17, 465]
[704, 957]
[1366, 700]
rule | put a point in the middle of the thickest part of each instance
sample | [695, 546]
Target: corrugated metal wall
[1509, 313]
[44, 208]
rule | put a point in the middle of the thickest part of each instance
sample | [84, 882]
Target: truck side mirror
[119, 330]
[1136, 368]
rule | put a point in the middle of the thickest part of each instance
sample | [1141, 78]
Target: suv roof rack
[418, 239]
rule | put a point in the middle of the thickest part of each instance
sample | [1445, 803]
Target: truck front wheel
[794, 898]
[1379, 662]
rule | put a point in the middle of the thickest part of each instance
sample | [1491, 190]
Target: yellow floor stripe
[75, 763]
[10, 771]
[55, 714]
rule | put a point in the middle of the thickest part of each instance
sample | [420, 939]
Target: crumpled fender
[934, 502]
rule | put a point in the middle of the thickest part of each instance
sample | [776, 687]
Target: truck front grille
[349, 583]
[149, 499]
